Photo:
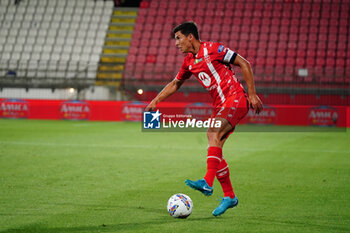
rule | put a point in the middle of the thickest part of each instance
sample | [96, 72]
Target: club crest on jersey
[221, 47]
[204, 78]
[198, 60]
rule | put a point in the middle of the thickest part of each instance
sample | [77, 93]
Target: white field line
[165, 147]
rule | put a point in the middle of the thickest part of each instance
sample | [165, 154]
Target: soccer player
[210, 63]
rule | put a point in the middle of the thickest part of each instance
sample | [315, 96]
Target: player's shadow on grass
[98, 207]
[130, 226]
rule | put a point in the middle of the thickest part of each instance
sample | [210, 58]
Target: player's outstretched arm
[167, 91]
[254, 100]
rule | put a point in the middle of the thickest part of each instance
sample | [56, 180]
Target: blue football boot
[200, 185]
[225, 204]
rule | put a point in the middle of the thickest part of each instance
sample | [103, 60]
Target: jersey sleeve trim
[233, 58]
[230, 56]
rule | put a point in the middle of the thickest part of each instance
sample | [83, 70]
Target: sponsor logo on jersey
[14, 108]
[204, 78]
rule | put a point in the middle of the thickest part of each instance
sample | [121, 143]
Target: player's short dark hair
[187, 28]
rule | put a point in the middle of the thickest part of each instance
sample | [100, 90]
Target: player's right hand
[255, 103]
[151, 107]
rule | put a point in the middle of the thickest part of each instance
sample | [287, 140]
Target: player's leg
[216, 141]
[223, 176]
[237, 112]
[230, 200]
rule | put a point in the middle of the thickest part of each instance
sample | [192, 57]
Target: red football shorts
[234, 109]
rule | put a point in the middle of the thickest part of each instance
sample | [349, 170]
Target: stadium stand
[297, 48]
[287, 42]
[116, 46]
[52, 43]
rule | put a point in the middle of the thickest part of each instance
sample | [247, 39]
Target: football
[180, 206]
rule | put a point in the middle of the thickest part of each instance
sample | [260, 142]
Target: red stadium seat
[340, 62]
[271, 53]
[279, 74]
[272, 45]
[339, 75]
[140, 59]
[292, 45]
[312, 37]
[310, 61]
[289, 70]
[270, 61]
[260, 61]
[321, 45]
[341, 45]
[266, 29]
[251, 52]
[261, 52]
[142, 50]
[300, 61]
[301, 53]
[253, 45]
[254, 36]
[273, 37]
[276, 22]
[244, 36]
[280, 61]
[257, 15]
[225, 37]
[161, 59]
[258, 73]
[131, 58]
[331, 45]
[293, 37]
[290, 61]
[341, 54]
[281, 53]
[320, 62]
[262, 44]
[267, 13]
[269, 73]
[330, 53]
[311, 53]
[264, 37]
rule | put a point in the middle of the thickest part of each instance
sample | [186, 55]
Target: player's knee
[213, 138]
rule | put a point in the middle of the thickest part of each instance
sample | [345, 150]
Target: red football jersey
[211, 67]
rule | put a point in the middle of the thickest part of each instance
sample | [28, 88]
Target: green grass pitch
[78, 176]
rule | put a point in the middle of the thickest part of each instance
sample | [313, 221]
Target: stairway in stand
[116, 46]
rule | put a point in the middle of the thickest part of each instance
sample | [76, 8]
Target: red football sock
[223, 175]
[213, 160]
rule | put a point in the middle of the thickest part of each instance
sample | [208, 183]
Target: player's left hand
[255, 103]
